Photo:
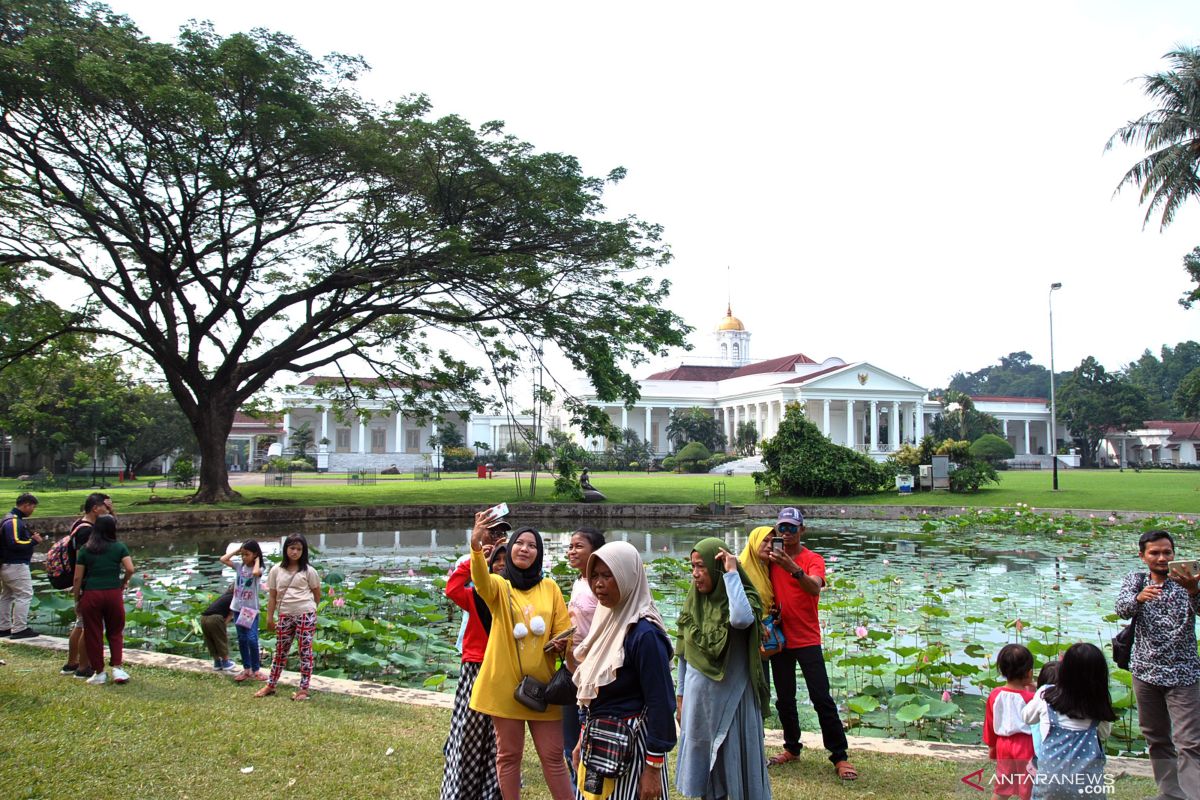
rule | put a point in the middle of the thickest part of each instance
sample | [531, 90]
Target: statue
[590, 494]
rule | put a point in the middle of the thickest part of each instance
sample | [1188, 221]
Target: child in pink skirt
[1009, 739]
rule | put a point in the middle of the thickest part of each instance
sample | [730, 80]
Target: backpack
[58, 564]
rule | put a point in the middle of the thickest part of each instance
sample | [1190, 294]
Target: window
[737, 352]
[724, 351]
[343, 440]
[412, 441]
[378, 440]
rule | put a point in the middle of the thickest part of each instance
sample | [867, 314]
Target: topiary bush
[693, 458]
[990, 448]
[668, 463]
[802, 462]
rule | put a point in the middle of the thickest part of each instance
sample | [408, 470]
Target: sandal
[300, 695]
[265, 691]
[782, 758]
[846, 771]
[241, 676]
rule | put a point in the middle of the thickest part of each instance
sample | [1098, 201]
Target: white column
[825, 417]
[1027, 437]
[287, 428]
[772, 419]
[759, 415]
[1004, 428]
[624, 420]
[1052, 447]
[849, 423]
[325, 424]
[649, 429]
[432, 432]
[894, 426]
[400, 431]
[727, 423]
[920, 422]
[362, 436]
[874, 425]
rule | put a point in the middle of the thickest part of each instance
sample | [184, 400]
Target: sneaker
[228, 666]
[26, 633]
[99, 679]
[85, 673]
[120, 675]
[217, 665]
[68, 669]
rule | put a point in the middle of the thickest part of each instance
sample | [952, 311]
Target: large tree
[1092, 402]
[1159, 379]
[234, 210]
[695, 425]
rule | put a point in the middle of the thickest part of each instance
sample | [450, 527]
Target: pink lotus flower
[1017, 513]
[1112, 519]
[331, 592]
[1060, 530]
[338, 602]
[833, 558]
[860, 632]
[945, 697]
[843, 511]
[886, 562]
[412, 573]
[1019, 625]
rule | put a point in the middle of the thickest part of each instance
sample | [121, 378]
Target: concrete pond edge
[945, 751]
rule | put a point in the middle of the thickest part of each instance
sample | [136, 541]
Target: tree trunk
[214, 420]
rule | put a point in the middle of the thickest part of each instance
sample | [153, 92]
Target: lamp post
[103, 453]
[1053, 407]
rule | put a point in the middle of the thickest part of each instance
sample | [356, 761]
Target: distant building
[856, 404]
[1158, 441]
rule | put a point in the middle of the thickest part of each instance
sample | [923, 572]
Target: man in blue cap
[797, 577]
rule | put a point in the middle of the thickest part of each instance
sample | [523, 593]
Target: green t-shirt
[103, 569]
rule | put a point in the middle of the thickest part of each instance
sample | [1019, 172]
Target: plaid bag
[607, 746]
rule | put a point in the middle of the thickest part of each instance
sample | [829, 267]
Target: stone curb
[179, 518]
[944, 751]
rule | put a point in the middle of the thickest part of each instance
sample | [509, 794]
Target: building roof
[270, 425]
[1181, 430]
[697, 372]
[817, 374]
[1004, 398]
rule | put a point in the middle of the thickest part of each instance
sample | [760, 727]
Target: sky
[889, 182]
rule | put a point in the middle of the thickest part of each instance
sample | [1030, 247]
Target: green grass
[181, 735]
[1109, 490]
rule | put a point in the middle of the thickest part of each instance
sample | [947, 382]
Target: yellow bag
[581, 774]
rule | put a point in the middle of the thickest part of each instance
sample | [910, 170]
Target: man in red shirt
[797, 577]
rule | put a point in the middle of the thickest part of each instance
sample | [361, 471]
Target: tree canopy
[1159, 378]
[803, 462]
[1092, 401]
[1015, 376]
[234, 210]
[695, 425]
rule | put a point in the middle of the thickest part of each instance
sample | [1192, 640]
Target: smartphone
[496, 512]
[777, 543]
[1189, 566]
[567, 634]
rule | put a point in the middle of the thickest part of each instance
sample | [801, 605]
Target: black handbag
[531, 693]
[561, 689]
[1122, 643]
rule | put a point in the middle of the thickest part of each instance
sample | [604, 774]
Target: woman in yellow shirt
[527, 612]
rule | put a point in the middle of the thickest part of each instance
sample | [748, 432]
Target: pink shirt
[581, 609]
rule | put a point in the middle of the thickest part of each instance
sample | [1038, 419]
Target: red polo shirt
[798, 608]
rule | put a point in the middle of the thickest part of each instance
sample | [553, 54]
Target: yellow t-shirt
[500, 673]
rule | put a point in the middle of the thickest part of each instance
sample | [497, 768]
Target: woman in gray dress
[722, 686]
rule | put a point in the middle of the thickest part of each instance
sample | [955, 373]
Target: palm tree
[1170, 134]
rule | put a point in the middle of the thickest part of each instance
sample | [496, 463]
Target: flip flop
[265, 691]
[300, 695]
[846, 771]
[782, 758]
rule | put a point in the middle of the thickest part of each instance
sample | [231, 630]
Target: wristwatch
[798, 574]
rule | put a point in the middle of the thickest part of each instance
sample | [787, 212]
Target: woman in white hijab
[625, 672]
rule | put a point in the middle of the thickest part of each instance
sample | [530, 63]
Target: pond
[913, 614]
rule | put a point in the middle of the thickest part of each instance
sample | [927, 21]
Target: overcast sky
[890, 182]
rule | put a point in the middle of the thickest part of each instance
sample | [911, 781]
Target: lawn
[181, 735]
[1108, 490]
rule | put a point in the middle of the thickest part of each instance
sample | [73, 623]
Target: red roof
[1180, 430]
[317, 380]
[269, 425]
[1001, 398]
[697, 372]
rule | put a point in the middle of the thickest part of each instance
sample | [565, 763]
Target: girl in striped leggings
[295, 591]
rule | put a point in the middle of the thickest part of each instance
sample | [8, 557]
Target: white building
[857, 404]
[381, 437]
[1171, 442]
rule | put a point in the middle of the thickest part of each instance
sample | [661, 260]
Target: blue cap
[790, 516]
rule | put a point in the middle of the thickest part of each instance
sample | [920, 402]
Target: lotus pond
[913, 612]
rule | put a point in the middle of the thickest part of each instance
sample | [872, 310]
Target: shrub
[990, 448]
[801, 461]
[184, 469]
[693, 451]
[458, 459]
[301, 465]
[969, 477]
[668, 463]
[959, 450]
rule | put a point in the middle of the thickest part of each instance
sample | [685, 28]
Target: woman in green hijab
[723, 689]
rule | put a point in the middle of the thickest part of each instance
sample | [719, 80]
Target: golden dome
[730, 323]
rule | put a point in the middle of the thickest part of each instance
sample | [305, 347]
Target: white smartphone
[496, 512]
[1188, 566]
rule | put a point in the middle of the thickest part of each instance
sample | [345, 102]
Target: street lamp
[1053, 408]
